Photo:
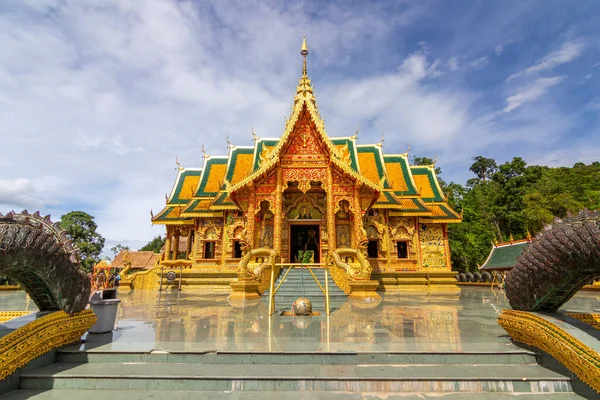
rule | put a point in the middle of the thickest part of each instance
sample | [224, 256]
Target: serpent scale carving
[37, 254]
[563, 258]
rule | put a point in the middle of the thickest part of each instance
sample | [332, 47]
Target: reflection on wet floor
[188, 321]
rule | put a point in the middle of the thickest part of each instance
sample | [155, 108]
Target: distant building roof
[139, 259]
[504, 256]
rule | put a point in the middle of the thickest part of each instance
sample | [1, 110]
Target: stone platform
[187, 345]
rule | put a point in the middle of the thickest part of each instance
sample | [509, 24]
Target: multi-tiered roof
[403, 189]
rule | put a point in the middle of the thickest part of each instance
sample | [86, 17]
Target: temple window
[237, 249]
[402, 248]
[373, 249]
[209, 250]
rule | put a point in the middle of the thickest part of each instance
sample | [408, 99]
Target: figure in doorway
[312, 244]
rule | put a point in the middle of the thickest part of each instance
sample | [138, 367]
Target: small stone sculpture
[301, 307]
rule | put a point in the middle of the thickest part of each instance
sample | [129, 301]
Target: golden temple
[309, 198]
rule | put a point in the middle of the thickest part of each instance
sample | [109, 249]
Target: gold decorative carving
[8, 315]
[433, 246]
[590, 319]
[40, 336]
[528, 328]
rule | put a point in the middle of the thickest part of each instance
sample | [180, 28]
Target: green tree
[118, 248]
[426, 161]
[155, 244]
[81, 229]
[483, 167]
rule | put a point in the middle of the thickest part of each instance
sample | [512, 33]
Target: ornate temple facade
[307, 195]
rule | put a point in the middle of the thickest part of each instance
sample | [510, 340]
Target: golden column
[176, 244]
[167, 255]
[331, 233]
[250, 217]
[357, 219]
[278, 212]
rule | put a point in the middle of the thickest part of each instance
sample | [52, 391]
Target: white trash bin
[106, 311]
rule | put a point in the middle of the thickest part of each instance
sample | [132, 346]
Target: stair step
[319, 358]
[65, 394]
[299, 377]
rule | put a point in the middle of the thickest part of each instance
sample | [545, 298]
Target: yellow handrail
[273, 289]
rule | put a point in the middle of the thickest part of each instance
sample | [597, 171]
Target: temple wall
[434, 246]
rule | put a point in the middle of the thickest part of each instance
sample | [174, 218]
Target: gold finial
[204, 155]
[355, 134]
[511, 238]
[434, 160]
[229, 144]
[179, 167]
[380, 144]
[254, 136]
[528, 236]
[407, 150]
[304, 52]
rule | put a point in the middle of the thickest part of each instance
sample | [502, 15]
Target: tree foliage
[81, 229]
[116, 249]
[514, 199]
[155, 244]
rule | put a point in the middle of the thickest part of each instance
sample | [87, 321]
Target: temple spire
[304, 52]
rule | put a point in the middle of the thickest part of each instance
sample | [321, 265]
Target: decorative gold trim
[8, 315]
[535, 331]
[40, 336]
[591, 319]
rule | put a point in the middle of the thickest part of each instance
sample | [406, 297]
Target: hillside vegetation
[514, 199]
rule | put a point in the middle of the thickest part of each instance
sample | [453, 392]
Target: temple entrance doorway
[304, 239]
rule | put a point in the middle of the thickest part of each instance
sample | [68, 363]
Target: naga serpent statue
[561, 259]
[356, 271]
[37, 254]
[244, 272]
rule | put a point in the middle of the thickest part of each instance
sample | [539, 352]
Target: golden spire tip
[304, 52]
[304, 49]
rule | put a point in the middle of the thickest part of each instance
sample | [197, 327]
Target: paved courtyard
[195, 322]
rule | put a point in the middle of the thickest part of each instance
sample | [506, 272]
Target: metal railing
[273, 290]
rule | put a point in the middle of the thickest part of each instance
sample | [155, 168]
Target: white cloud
[531, 92]
[567, 52]
[18, 193]
[479, 63]
[499, 49]
[453, 63]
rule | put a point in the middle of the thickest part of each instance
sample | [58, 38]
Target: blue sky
[97, 98]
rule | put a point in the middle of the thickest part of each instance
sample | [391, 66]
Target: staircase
[300, 283]
[292, 375]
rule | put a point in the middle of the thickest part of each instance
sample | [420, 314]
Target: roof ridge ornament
[254, 136]
[380, 144]
[204, 154]
[304, 52]
[229, 144]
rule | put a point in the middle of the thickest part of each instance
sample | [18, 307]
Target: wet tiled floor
[195, 322]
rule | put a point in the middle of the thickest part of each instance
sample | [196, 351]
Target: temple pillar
[278, 218]
[331, 233]
[190, 238]
[250, 217]
[167, 255]
[357, 223]
[176, 245]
